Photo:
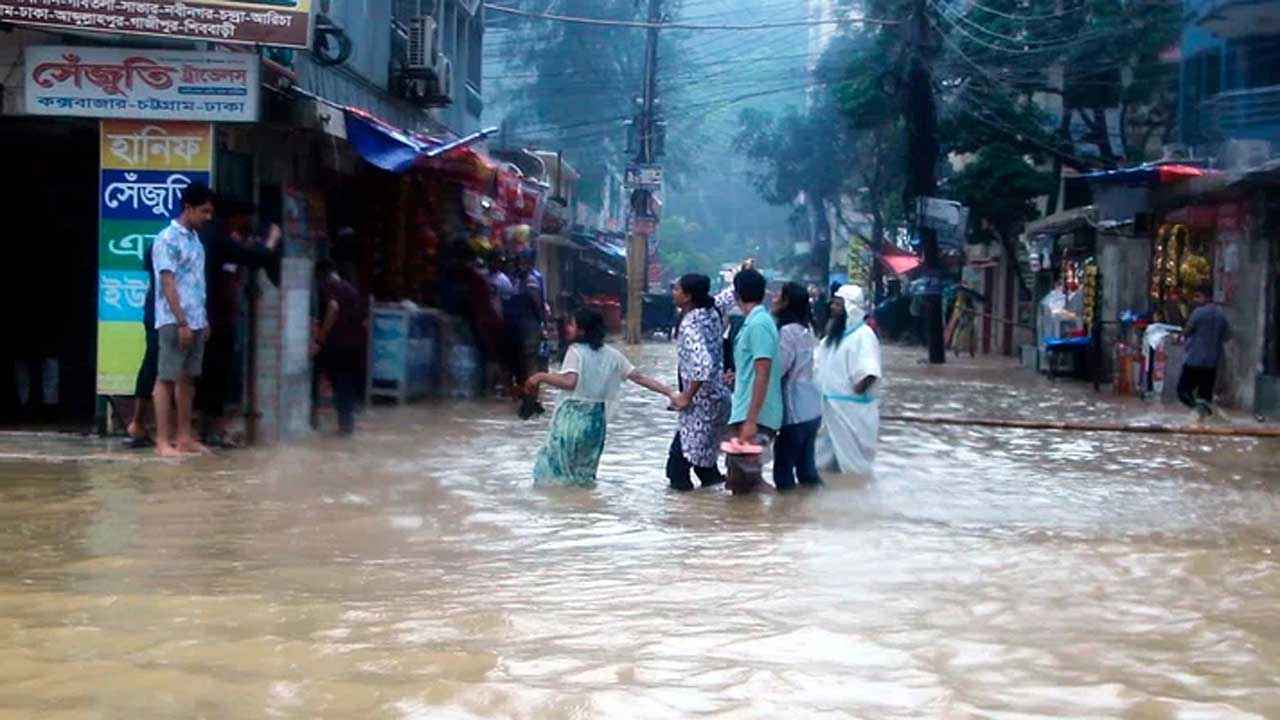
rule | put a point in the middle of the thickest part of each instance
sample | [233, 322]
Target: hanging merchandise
[1193, 274]
[1092, 295]
[859, 261]
[1181, 264]
[1071, 275]
[517, 238]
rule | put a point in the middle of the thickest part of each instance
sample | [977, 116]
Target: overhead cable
[643, 24]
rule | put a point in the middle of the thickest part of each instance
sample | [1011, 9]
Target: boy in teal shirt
[756, 413]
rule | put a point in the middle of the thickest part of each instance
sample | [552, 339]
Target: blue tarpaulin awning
[391, 148]
[385, 146]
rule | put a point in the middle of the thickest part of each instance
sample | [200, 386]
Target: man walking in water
[1205, 334]
[756, 415]
[181, 320]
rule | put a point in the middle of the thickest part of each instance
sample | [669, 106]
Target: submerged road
[415, 573]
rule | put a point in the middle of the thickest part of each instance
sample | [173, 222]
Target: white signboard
[142, 84]
[948, 218]
[643, 176]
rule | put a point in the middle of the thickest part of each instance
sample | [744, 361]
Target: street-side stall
[1063, 249]
[428, 295]
[1133, 260]
[1219, 232]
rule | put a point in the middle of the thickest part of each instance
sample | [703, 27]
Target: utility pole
[921, 114]
[642, 223]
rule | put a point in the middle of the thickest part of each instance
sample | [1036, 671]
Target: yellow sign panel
[156, 145]
[121, 346]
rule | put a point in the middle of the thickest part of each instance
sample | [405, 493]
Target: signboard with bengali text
[256, 22]
[145, 166]
[113, 82]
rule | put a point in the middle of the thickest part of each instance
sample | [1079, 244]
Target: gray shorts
[175, 362]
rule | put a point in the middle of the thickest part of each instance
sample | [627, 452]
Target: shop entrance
[50, 211]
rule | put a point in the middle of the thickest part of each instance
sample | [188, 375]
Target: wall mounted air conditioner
[444, 73]
[422, 53]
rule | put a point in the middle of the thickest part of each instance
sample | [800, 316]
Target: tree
[683, 247]
[802, 159]
[573, 86]
[1089, 73]
[1000, 188]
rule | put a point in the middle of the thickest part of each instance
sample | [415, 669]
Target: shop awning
[1064, 222]
[1145, 175]
[396, 150]
[386, 146]
[899, 263]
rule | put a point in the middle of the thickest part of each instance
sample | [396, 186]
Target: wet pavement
[417, 574]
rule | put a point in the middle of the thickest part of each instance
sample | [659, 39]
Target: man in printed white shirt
[182, 324]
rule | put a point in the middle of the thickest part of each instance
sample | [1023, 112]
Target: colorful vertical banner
[145, 165]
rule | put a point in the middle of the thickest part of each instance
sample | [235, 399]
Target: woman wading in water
[704, 398]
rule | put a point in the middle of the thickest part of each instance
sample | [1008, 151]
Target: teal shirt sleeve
[762, 344]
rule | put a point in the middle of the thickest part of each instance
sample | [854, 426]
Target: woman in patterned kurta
[704, 398]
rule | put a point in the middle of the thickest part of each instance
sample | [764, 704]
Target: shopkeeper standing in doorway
[181, 320]
[1204, 336]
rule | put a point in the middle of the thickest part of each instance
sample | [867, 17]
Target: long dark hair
[835, 328]
[796, 308]
[591, 328]
[698, 288]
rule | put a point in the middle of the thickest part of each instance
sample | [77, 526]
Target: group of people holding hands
[753, 380]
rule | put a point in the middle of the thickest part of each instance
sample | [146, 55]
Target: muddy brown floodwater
[417, 574]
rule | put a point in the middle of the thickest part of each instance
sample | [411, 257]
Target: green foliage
[683, 247]
[1000, 188]
[575, 86]
[795, 153]
[686, 246]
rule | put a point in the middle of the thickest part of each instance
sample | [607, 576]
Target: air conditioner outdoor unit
[422, 44]
[445, 73]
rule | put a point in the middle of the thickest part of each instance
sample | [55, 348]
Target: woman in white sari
[848, 374]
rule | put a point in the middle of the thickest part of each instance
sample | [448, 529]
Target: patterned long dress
[700, 357]
[571, 454]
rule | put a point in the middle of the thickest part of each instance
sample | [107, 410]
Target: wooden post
[637, 270]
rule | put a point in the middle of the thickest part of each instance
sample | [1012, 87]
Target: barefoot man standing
[181, 322]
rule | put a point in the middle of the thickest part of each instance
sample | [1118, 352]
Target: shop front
[1063, 250]
[108, 138]
[49, 374]
[1219, 233]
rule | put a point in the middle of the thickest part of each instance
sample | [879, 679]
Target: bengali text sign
[261, 22]
[114, 82]
[145, 168]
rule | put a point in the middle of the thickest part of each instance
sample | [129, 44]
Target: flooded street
[417, 574]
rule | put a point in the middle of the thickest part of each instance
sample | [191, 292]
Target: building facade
[109, 125]
[1230, 79]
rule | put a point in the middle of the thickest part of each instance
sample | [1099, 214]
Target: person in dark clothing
[339, 343]
[229, 247]
[145, 383]
[821, 308]
[522, 323]
[1204, 335]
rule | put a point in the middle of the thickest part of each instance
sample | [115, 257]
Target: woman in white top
[794, 451]
[848, 374]
[591, 375]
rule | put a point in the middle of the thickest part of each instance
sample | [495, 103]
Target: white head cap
[851, 294]
[854, 303]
